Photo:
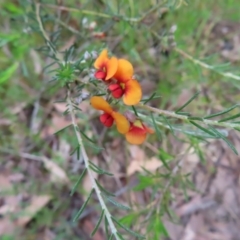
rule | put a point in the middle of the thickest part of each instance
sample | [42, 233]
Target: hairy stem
[187, 118]
[89, 171]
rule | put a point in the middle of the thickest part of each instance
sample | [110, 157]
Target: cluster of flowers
[118, 75]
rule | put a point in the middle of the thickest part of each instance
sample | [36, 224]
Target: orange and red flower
[126, 86]
[137, 132]
[106, 67]
[109, 116]
[121, 71]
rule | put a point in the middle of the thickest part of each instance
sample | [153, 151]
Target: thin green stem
[186, 118]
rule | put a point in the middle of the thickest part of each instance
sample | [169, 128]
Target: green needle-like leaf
[121, 237]
[111, 237]
[222, 112]
[156, 128]
[203, 129]
[127, 229]
[189, 101]
[106, 227]
[150, 98]
[117, 204]
[63, 129]
[230, 118]
[78, 181]
[224, 139]
[168, 123]
[83, 207]
[99, 170]
[89, 139]
[106, 192]
[98, 223]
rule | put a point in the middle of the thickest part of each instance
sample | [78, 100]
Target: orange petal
[134, 138]
[121, 122]
[111, 67]
[100, 103]
[133, 92]
[124, 71]
[102, 59]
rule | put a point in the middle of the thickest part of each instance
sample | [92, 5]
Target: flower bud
[116, 90]
[106, 119]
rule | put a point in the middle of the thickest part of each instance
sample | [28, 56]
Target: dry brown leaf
[6, 227]
[60, 107]
[36, 204]
[5, 183]
[140, 161]
[58, 175]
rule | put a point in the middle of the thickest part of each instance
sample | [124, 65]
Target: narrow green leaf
[237, 128]
[106, 192]
[195, 118]
[135, 111]
[111, 237]
[74, 150]
[100, 172]
[156, 128]
[224, 139]
[230, 118]
[150, 98]
[119, 235]
[6, 74]
[78, 181]
[117, 204]
[83, 207]
[78, 153]
[189, 101]
[106, 227]
[63, 129]
[159, 228]
[184, 113]
[222, 112]
[127, 229]
[98, 223]
[203, 129]
[89, 139]
[100, 169]
[168, 123]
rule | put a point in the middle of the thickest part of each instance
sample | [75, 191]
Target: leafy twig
[205, 65]
[188, 118]
[89, 171]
